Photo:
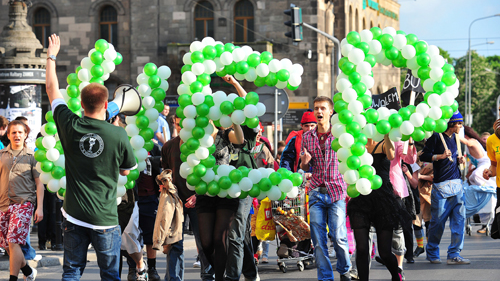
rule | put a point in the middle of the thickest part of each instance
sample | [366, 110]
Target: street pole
[468, 99]
[276, 93]
[335, 60]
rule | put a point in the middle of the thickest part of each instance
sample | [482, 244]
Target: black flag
[411, 83]
[389, 99]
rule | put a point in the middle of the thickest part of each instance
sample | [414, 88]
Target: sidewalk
[55, 258]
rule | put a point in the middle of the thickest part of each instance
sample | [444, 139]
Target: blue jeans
[442, 208]
[175, 259]
[322, 211]
[106, 244]
[240, 253]
[28, 251]
[265, 249]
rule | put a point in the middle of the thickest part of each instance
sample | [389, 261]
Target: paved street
[483, 252]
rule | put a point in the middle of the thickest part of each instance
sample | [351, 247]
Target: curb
[45, 261]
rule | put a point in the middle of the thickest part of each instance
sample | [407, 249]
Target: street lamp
[468, 110]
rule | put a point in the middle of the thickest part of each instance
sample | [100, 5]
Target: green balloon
[202, 122]
[101, 45]
[183, 157]
[337, 97]
[59, 147]
[184, 100]
[265, 184]
[345, 116]
[336, 145]
[376, 181]
[229, 47]
[180, 112]
[213, 188]
[201, 188]
[364, 47]
[358, 149]
[61, 192]
[49, 117]
[38, 143]
[148, 145]
[353, 38]
[97, 80]
[212, 149]
[73, 91]
[142, 122]
[253, 60]
[252, 122]
[348, 68]
[447, 112]
[376, 31]
[186, 67]
[147, 133]
[260, 81]
[159, 106]
[371, 60]
[386, 40]
[244, 170]
[271, 79]
[353, 162]
[226, 107]
[411, 39]
[193, 144]
[283, 75]
[365, 100]
[40, 155]
[242, 67]
[50, 128]
[448, 68]
[400, 61]
[96, 57]
[78, 69]
[221, 73]
[424, 72]
[129, 185]
[47, 166]
[352, 191]
[420, 47]
[204, 79]
[235, 175]
[97, 71]
[200, 170]
[196, 87]
[150, 69]
[154, 81]
[158, 94]
[209, 100]
[252, 98]
[225, 182]
[340, 106]
[383, 127]
[209, 162]
[230, 68]
[197, 56]
[395, 120]
[361, 138]
[418, 134]
[405, 137]
[454, 106]
[239, 103]
[366, 171]
[133, 175]
[193, 180]
[354, 78]
[392, 53]
[423, 59]
[291, 88]
[429, 124]
[74, 104]
[360, 88]
[202, 110]
[342, 61]
[209, 52]
[441, 126]
[275, 178]
[353, 128]
[439, 87]
[220, 49]
[198, 133]
[371, 115]
[255, 191]
[449, 78]
[296, 179]
[266, 57]
[405, 113]
[184, 149]
[118, 59]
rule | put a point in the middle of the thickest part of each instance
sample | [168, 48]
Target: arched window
[356, 21]
[371, 24]
[41, 26]
[244, 21]
[204, 20]
[350, 21]
[364, 24]
[108, 25]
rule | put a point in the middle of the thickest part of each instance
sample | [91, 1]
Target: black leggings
[384, 241]
[214, 229]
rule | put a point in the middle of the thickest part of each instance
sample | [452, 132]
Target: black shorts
[207, 204]
[148, 206]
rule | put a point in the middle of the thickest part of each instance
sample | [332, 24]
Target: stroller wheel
[300, 265]
[282, 267]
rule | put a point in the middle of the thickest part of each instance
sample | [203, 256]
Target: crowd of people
[418, 190]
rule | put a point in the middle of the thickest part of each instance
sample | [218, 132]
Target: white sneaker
[32, 276]
[331, 253]
[197, 264]
[37, 257]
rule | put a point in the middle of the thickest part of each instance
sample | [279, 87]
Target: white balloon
[343, 84]
[122, 180]
[436, 74]
[209, 66]
[343, 154]
[408, 52]
[377, 136]
[346, 49]
[86, 63]
[183, 89]
[84, 75]
[434, 100]
[164, 72]
[53, 185]
[225, 121]
[223, 170]
[91, 52]
[435, 113]
[389, 30]
[188, 77]
[366, 35]
[186, 59]
[285, 185]
[262, 70]
[137, 142]
[428, 85]
[338, 129]
[238, 117]
[399, 41]
[261, 109]
[366, 159]
[407, 128]
[417, 119]
[153, 126]
[349, 95]
[364, 68]
[346, 140]
[185, 134]
[188, 123]
[356, 107]
[246, 184]
[250, 110]
[190, 111]
[395, 134]
[351, 176]
[108, 66]
[238, 55]
[294, 193]
[363, 185]
[251, 75]
[219, 97]
[286, 64]
[214, 113]
[368, 81]
[198, 68]
[185, 170]
[144, 90]
[38, 167]
[62, 182]
[274, 193]
[49, 142]
[294, 80]
[209, 176]
[149, 103]
[141, 154]
[360, 119]
[432, 50]
[110, 54]
[132, 130]
[375, 47]
[45, 177]
[356, 56]
[369, 130]
[226, 58]
[207, 141]
[254, 175]
[297, 69]
[192, 160]
[208, 41]
[234, 191]
[383, 113]
[343, 167]
[423, 109]
[437, 61]
[206, 90]
[53, 154]
[120, 191]
[335, 119]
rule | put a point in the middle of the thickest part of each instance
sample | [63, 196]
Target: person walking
[291, 153]
[327, 195]
[447, 197]
[96, 152]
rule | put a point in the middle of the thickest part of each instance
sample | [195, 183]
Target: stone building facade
[160, 31]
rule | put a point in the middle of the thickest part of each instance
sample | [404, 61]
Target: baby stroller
[293, 235]
[479, 200]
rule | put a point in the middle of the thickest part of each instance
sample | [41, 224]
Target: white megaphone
[127, 100]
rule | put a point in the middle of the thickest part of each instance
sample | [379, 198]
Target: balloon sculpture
[96, 68]
[352, 125]
[197, 105]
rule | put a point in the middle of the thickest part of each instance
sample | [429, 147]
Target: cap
[308, 117]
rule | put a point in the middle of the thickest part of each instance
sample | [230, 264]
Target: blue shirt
[162, 123]
[444, 169]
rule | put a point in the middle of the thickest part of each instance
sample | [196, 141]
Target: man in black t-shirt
[96, 152]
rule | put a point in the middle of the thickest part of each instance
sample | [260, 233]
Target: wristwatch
[51, 57]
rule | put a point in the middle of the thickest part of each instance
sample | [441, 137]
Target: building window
[108, 25]
[41, 26]
[356, 22]
[364, 24]
[350, 26]
[371, 24]
[203, 20]
[244, 21]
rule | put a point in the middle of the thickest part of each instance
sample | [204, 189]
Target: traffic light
[295, 23]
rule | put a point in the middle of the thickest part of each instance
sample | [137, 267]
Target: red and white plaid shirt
[325, 168]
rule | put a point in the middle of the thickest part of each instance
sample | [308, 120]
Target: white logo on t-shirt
[91, 145]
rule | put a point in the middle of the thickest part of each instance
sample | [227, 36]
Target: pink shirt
[396, 174]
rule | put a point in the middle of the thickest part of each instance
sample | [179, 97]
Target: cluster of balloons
[50, 156]
[352, 125]
[198, 105]
[209, 56]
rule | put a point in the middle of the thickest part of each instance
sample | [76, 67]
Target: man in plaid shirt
[326, 199]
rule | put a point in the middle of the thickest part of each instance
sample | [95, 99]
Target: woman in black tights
[381, 208]
[215, 214]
